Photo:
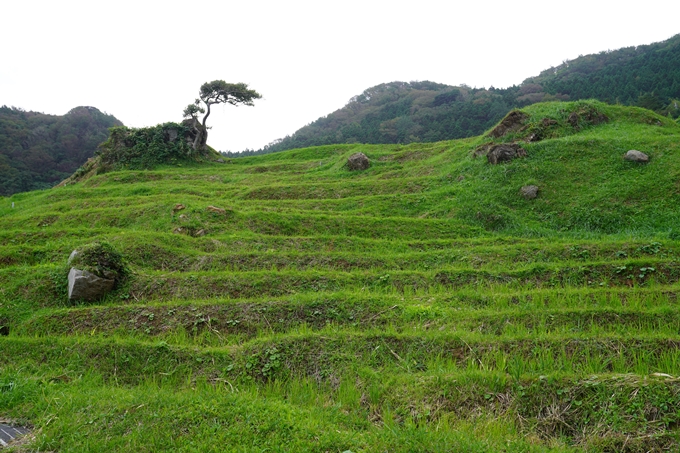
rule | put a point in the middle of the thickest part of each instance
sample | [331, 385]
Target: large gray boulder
[358, 161]
[636, 156]
[84, 285]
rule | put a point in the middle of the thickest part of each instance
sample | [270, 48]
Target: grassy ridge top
[420, 305]
[584, 183]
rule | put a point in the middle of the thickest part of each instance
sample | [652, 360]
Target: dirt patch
[513, 122]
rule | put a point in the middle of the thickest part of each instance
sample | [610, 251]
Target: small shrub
[265, 364]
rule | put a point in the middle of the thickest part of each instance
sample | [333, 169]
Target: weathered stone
[586, 116]
[84, 285]
[220, 161]
[513, 122]
[216, 210]
[482, 150]
[192, 124]
[200, 233]
[358, 161]
[178, 207]
[636, 156]
[505, 153]
[529, 192]
[171, 135]
[541, 130]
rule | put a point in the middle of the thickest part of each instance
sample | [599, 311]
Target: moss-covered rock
[100, 259]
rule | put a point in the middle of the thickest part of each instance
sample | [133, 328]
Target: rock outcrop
[505, 153]
[529, 192]
[84, 285]
[358, 161]
[513, 122]
[95, 270]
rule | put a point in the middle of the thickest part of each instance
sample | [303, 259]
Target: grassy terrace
[422, 305]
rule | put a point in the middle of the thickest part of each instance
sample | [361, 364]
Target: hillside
[647, 76]
[38, 150]
[422, 304]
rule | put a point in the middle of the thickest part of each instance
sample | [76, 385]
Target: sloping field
[422, 305]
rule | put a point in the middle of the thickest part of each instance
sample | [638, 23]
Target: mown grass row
[335, 352]
[246, 253]
[229, 323]
[45, 286]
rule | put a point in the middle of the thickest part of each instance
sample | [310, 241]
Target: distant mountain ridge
[39, 150]
[403, 112]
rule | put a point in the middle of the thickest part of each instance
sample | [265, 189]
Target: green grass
[420, 305]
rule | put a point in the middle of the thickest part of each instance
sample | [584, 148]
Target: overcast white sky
[144, 61]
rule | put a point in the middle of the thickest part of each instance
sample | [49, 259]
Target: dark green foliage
[147, 147]
[648, 76]
[447, 98]
[401, 112]
[37, 151]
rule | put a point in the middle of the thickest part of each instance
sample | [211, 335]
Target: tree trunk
[201, 137]
[202, 131]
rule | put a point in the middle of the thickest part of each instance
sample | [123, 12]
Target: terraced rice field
[420, 305]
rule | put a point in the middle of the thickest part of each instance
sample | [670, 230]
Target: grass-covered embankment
[420, 305]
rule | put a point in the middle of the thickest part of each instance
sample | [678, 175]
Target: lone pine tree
[216, 92]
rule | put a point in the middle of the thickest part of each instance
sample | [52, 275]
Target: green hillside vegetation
[423, 304]
[646, 76]
[37, 150]
[144, 148]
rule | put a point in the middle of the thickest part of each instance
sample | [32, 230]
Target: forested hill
[399, 112]
[647, 76]
[39, 150]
